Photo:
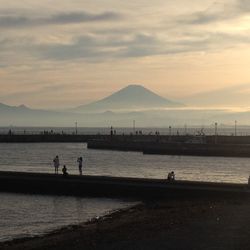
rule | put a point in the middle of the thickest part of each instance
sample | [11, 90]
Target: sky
[58, 53]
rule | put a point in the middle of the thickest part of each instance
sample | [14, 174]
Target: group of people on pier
[56, 163]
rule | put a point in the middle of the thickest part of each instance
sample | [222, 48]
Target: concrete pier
[57, 137]
[105, 186]
[174, 148]
[38, 138]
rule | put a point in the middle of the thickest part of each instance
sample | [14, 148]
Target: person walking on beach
[80, 160]
[56, 164]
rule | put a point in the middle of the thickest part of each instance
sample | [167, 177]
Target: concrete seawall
[22, 138]
[174, 148]
[225, 150]
[56, 137]
[104, 186]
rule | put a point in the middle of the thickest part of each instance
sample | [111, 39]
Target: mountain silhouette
[129, 98]
[7, 108]
[23, 116]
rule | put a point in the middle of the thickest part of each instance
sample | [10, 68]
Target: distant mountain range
[22, 115]
[132, 97]
[135, 102]
[7, 108]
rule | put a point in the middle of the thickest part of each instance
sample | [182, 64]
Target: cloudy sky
[61, 53]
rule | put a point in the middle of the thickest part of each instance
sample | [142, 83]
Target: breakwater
[225, 150]
[22, 138]
[227, 146]
[144, 138]
[113, 186]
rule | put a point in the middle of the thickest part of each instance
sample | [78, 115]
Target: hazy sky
[58, 53]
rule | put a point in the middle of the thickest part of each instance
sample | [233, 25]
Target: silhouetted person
[56, 164]
[80, 160]
[64, 171]
[171, 176]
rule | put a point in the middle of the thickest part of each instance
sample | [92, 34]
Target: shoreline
[95, 220]
[198, 223]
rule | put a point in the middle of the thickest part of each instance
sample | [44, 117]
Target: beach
[198, 223]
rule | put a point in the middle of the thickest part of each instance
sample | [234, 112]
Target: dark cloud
[243, 6]
[217, 13]
[98, 49]
[78, 17]
[142, 45]
[84, 47]
[203, 18]
[19, 21]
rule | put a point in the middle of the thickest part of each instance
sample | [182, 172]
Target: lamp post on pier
[170, 132]
[76, 127]
[215, 132]
[185, 129]
[235, 128]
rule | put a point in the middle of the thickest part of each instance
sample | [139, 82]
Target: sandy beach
[202, 223]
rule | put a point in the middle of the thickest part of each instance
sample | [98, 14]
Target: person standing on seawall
[80, 160]
[56, 164]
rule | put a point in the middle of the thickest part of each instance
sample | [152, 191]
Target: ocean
[28, 215]
[31, 215]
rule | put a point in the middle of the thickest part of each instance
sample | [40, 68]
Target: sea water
[38, 157]
[30, 215]
[27, 215]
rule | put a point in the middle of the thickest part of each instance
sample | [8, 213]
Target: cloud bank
[115, 40]
[20, 21]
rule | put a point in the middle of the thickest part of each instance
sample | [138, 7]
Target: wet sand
[203, 223]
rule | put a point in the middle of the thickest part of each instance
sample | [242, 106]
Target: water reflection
[26, 215]
[38, 158]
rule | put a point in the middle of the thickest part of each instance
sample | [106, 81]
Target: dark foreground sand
[173, 224]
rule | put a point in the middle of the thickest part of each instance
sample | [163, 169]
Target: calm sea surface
[25, 215]
[37, 157]
[30, 215]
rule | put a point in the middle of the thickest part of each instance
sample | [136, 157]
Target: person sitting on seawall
[171, 176]
[64, 171]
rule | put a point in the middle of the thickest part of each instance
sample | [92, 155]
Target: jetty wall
[174, 148]
[225, 150]
[105, 186]
[57, 137]
[22, 138]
